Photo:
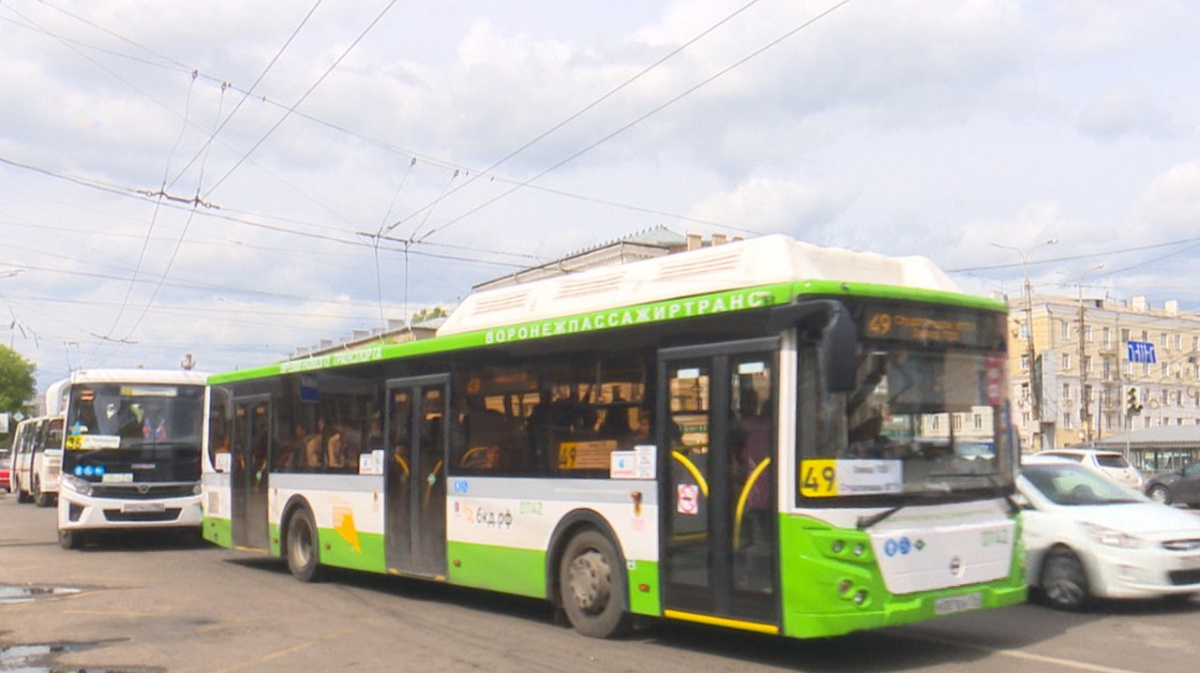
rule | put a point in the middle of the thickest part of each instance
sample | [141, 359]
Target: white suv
[1109, 464]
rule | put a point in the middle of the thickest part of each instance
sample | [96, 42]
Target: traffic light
[1132, 406]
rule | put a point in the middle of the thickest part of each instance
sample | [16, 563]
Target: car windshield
[1070, 485]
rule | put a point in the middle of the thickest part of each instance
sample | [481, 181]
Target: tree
[17, 383]
[429, 314]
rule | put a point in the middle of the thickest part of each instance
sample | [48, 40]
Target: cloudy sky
[211, 178]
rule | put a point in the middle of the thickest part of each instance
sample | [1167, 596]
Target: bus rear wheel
[591, 586]
[39, 498]
[303, 554]
[23, 496]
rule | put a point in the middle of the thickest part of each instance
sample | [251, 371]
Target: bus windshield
[920, 422]
[134, 432]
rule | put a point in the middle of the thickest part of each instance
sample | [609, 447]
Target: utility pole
[1035, 380]
[1085, 412]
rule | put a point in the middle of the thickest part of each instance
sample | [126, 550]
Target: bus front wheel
[591, 586]
[303, 554]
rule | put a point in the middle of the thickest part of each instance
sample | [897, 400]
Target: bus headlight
[73, 483]
[196, 490]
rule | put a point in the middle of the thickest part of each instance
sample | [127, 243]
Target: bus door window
[399, 477]
[751, 442]
[260, 437]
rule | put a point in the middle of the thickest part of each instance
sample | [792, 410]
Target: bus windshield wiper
[865, 522]
[997, 487]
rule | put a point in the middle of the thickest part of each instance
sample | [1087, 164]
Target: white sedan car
[1087, 537]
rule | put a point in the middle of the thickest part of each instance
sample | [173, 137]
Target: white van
[37, 460]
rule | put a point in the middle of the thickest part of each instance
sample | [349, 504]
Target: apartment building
[1076, 374]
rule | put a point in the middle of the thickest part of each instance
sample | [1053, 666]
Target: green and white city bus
[765, 435]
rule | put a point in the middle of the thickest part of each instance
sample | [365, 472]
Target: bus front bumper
[79, 512]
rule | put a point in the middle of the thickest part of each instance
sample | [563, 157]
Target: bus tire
[591, 585]
[71, 539]
[41, 499]
[303, 551]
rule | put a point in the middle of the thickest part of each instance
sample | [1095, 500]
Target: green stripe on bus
[523, 572]
[826, 288]
[218, 531]
[644, 602]
[362, 551]
[505, 569]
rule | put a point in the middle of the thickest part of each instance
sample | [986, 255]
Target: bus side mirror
[838, 351]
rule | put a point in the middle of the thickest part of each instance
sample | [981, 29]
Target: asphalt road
[150, 603]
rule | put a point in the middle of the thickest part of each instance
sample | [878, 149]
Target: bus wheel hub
[590, 581]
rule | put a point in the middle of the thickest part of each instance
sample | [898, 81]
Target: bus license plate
[952, 604]
[141, 507]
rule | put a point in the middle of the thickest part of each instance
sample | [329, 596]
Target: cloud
[1171, 201]
[807, 211]
[1123, 113]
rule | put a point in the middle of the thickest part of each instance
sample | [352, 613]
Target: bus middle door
[415, 494]
[250, 441]
[719, 543]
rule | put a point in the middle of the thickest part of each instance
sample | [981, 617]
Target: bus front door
[249, 443]
[719, 537]
[415, 518]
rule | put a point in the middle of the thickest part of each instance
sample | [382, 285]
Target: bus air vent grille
[686, 268]
[590, 286]
[504, 302]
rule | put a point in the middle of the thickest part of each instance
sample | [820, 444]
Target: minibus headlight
[73, 483]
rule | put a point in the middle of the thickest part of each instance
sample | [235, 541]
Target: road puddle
[41, 658]
[28, 593]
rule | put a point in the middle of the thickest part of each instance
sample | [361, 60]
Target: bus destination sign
[915, 323]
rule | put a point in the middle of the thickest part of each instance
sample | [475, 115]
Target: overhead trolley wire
[575, 115]
[687, 92]
[328, 71]
[167, 61]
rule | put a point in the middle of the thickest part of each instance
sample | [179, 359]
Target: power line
[647, 115]
[246, 94]
[303, 97]
[442, 163]
[226, 215]
[575, 115]
[1074, 258]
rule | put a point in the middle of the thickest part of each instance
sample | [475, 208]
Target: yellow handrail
[741, 503]
[691, 467]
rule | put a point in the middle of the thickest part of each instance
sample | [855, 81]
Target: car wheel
[591, 586]
[1064, 582]
[1159, 493]
[303, 552]
[71, 539]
